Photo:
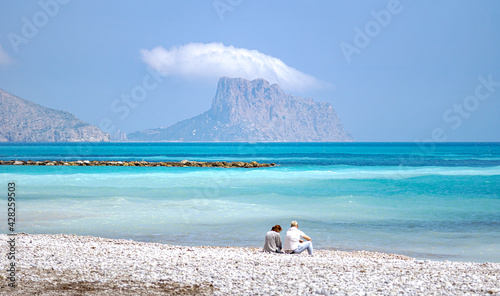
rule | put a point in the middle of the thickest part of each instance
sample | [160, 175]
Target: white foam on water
[217, 177]
[237, 206]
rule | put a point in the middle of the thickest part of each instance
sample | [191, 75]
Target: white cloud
[5, 59]
[214, 60]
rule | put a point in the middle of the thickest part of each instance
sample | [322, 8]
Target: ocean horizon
[437, 201]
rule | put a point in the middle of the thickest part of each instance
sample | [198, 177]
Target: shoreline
[70, 264]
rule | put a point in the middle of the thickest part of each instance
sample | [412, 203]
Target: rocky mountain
[25, 121]
[255, 111]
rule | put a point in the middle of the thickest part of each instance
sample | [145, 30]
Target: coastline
[71, 264]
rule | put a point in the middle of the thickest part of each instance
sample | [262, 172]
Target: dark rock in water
[255, 111]
[183, 163]
[25, 121]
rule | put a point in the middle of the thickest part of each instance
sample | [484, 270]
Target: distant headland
[242, 111]
[254, 111]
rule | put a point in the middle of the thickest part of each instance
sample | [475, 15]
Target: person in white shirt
[294, 243]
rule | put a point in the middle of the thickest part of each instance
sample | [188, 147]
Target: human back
[272, 242]
[293, 240]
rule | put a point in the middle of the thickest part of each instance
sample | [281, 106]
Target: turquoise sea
[429, 201]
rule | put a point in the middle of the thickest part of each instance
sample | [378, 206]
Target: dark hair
[276, 228]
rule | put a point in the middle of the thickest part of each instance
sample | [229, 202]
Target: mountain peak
[230, 86]
[235, 94]
[244, 110]
[25, 121]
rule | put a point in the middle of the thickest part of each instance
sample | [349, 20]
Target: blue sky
[394, 70]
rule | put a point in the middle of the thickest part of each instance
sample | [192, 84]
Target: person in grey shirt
[273, 240]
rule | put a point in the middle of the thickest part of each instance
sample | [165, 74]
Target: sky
[393, 70]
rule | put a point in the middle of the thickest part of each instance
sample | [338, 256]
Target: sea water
[429, 201]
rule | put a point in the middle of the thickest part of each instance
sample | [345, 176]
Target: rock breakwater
[183, 163]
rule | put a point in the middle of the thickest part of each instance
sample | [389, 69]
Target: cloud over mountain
[214, 60]
[5, 59]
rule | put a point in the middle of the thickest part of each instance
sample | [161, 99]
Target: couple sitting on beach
[293, 240]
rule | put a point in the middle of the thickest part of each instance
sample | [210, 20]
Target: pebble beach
[82, 265]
